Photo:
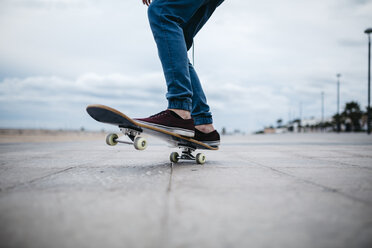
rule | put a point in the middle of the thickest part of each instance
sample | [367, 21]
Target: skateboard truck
[187, 155]
[140, 143]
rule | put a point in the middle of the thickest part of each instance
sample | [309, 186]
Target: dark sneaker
[171, 122]
[211, 139]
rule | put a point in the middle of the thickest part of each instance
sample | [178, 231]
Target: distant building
[269, 130]
[302, 126]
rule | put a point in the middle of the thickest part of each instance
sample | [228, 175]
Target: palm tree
[352, 116]
[279, 122]
[337, 119]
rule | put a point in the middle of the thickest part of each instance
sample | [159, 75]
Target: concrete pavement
[290, 190]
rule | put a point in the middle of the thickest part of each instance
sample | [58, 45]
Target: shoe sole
[211, 143]
[176, 130]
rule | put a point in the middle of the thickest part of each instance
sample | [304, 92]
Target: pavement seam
[6, 189]
[326, 188]
[331, 161]
[9, 188]
[354, 154]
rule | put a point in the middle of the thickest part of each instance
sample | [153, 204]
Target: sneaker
[211, 139]
[171, 122]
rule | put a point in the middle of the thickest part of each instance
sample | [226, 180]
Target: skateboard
[134, 131]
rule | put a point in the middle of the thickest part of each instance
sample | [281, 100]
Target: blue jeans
[174, 23]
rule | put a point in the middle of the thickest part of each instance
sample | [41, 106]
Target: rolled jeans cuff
[180, 104]
[202, 120]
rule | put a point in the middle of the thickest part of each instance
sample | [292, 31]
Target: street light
[338, 103]
[322, 94]
[368, 31]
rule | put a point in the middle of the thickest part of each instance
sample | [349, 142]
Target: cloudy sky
[258, 60]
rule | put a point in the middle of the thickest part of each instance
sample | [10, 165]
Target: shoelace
[158, 114]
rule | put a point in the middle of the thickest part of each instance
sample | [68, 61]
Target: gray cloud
[257, 60]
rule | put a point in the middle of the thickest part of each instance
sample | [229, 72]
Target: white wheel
[174, 157]
[111, 139]
[140, 143]
[200, 158]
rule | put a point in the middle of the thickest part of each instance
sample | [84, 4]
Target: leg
[174, 24]
[167, 19]
[200, 109]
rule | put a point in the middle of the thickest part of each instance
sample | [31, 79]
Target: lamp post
[322, 109]
[368, 31]
[338, 103]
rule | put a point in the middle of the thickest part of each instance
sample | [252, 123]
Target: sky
[258, 61]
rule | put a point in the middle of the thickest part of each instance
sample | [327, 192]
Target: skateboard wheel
[174, 157]
[111, 139]
[200, 158]
[140, 143]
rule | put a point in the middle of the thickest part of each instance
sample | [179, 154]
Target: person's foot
[170, 121]
[211, 138]
[205, 128]
[182, 113]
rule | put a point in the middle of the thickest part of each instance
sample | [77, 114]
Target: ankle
[183, 113]
[206, 128]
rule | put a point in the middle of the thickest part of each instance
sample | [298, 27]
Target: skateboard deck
[133, 130]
